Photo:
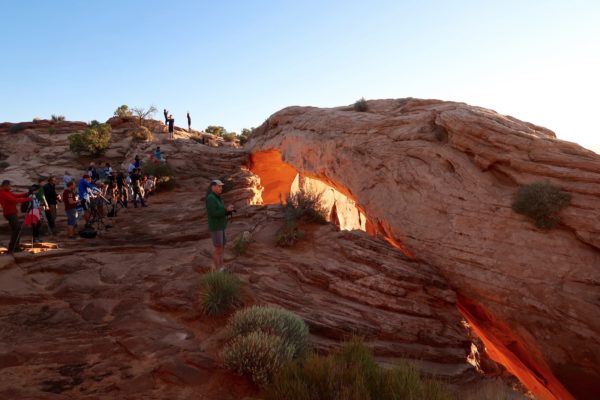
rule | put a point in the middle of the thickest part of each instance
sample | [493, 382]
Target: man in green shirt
[217, 220]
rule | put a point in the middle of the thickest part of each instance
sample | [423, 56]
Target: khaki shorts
[218, 238]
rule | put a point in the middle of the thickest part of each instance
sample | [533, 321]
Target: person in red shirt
[9, 201]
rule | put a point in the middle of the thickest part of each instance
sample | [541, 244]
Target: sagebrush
[258, 355]
[141, 134]
[541, 201]
[351, 374]
[220, 292]
[272, 320]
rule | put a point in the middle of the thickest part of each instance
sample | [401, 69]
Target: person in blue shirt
[86, 189]
[157, 154]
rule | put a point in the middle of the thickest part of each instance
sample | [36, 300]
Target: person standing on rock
[52, 198]
[217, 220]
[189, 122]
[171, 121]
[166, 113]
[70, 201]
[9, 201]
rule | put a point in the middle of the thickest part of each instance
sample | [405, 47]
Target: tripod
[31, 213]
[96, 215]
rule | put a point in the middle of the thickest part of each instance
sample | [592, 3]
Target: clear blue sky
[234, 63]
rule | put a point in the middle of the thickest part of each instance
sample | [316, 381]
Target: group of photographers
[79, 199]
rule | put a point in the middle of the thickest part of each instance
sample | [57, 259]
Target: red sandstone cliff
[437, 179]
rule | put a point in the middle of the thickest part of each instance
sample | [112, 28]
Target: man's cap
[216, 182]
[86, 176]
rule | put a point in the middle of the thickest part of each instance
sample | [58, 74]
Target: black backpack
[88, 233]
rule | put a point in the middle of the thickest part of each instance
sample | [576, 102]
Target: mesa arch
[438, 178]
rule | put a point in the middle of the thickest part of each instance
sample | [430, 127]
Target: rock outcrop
[437, 179]
[118, 316]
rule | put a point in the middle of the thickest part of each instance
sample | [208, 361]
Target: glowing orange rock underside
[504, 348]
[277, 177]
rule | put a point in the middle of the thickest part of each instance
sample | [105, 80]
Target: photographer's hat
[216, 182]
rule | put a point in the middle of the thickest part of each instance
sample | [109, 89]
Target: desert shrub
[273, 321]
[57, 118]
[123, 111]
[352, 374]
[244, 136]
[361, 105]
[165, 179]
[16, 128]
[307, 206]
[258, 355]
[229, 137]
[36, 119]
[541, 201]
[241, 243]
[94, 140]
[216, 130]
[141, 134]
[52, 130]
[288, 234]
[220, 292]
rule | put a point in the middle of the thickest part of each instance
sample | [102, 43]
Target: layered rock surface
[437, 180]
[118, 316]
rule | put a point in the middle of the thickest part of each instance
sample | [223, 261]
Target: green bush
[215, 130]
[274, 321]
[307, 206]
[244, 136]
[241, 243]
[541, 201]
[229, 137]
[351, 374]
[258, 355]
[162, 171]
[16, 128]
[123, 111]
[141, 134]
[220, 292]
[94, 140]
[52, 130]
[361, 105]
[58, 118]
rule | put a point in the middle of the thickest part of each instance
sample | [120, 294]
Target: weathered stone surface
[118, 316]
[437, 179]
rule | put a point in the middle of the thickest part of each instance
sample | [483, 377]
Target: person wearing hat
[217, 220]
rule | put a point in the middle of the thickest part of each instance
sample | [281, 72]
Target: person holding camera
[9, 201]
[86, 188]
[217, 220]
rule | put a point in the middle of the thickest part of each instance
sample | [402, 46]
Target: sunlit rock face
[437, 180]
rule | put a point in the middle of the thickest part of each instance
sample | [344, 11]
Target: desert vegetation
[165, 178]
[299, 207]
[123, 111]
[351, 374]
[143, 112]
[141, 134]
[541, 201]
[220, 292]
[57, 118]
[94, 140]
[361, 105]
[262, 341]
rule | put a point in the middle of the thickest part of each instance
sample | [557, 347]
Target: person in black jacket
[171, 126]
[52, 198]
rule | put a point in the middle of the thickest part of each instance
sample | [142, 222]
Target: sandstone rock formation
[118, 316]
[436, 179]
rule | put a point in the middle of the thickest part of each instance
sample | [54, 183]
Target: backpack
[88, 233]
